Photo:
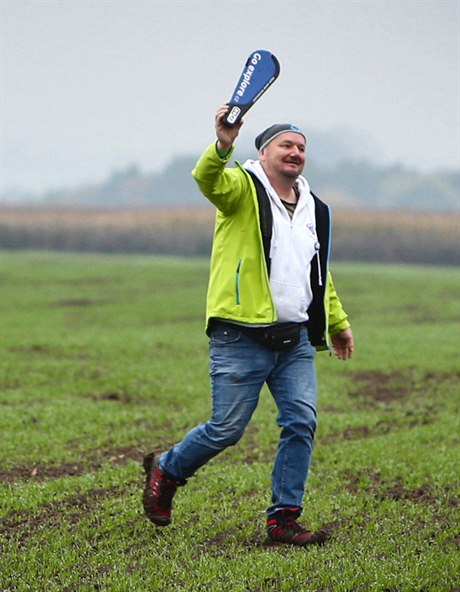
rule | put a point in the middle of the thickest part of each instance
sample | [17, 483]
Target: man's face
[284, 155]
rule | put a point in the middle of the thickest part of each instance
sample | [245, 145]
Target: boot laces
[291, 524]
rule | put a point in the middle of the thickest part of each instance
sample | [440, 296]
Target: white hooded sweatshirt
[293, 246]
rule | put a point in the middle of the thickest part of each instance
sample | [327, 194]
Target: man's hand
[225, 135]
[343, 345]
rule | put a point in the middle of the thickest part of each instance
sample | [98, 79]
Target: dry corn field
[406, 237]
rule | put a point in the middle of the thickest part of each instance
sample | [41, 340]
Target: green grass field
[104, 358]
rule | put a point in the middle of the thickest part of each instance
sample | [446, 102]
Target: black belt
[279, 336]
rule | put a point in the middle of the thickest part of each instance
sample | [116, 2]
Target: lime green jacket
[239, 288]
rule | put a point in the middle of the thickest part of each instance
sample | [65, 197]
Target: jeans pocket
[224, 336]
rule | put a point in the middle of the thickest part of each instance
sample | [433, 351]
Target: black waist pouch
[276, 337]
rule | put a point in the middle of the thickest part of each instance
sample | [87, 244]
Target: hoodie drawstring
[320, 277]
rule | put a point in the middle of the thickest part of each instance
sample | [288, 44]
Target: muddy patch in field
[374, 386]
[371, 482]
[75, 302]
[381, 387]
[40, 471]
[404, 421]
[33, 348]
[124, 398]
[21, 525]
[349, 433]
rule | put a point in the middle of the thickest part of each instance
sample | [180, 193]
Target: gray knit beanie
[275, 130]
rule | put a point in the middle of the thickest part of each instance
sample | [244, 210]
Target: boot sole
[317, 539]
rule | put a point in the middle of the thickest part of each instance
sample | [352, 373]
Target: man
[271, 303]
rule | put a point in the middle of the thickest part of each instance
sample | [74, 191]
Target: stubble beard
[290, 173]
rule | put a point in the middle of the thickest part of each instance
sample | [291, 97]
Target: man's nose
[295, 150]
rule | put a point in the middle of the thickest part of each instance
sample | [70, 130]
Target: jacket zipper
[237, 281]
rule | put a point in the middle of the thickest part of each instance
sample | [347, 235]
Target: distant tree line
[350, 184]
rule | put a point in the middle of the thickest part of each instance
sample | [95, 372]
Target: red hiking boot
[158, 493]
[282, 527]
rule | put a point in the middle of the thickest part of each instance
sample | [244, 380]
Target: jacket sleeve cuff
[224, 157]
[338, 327]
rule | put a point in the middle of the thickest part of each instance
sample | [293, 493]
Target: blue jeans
[239, 367]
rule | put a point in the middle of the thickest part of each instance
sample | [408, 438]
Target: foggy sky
[89, 87]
